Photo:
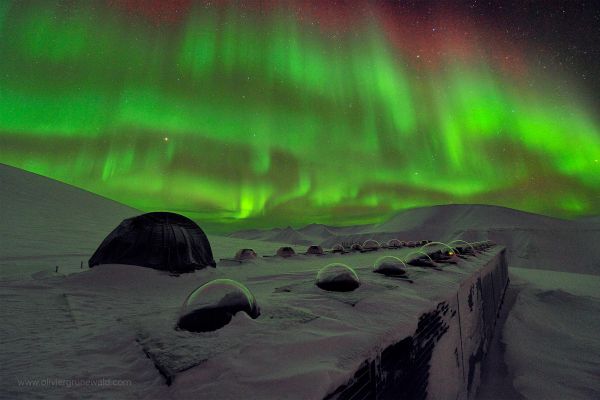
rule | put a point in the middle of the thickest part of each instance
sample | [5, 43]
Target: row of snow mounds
[213, 305]
[369, 245]
[533, 241]
[313, 249]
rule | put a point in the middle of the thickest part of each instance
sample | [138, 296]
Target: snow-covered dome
[212, 305]
[285, 251]
[314, 249]
[245, 254]
[356, 247]
[337, 277]
[394, 243]
[389, 265]
[371, 244]
[338, 248]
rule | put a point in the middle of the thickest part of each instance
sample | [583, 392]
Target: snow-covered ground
[96, 324]
[551, 335]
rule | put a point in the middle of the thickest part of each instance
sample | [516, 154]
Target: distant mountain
[317, 231]
[465, 217]
[289, 235]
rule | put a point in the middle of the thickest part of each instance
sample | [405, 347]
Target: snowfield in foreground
[551, 335]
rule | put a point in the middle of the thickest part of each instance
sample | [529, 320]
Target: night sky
[267, 113]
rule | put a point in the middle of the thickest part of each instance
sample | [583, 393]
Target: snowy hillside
[47, 223]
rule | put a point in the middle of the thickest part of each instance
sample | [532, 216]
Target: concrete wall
[442, 359]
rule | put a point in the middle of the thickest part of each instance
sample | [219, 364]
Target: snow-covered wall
[442, 359]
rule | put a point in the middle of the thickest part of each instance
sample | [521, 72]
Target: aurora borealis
[255, 114]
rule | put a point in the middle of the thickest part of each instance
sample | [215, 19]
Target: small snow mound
[212, 305]
[371, 244]
[394, 243]
[245, 254]
[338, 248]
[337, 277]
[356, 247]
[285, 252]
[314, 249]
[389, 265]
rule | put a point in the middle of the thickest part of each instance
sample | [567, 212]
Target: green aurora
[240, 118]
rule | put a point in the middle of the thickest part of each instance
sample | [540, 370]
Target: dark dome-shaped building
[212, 305]
[159, 240]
